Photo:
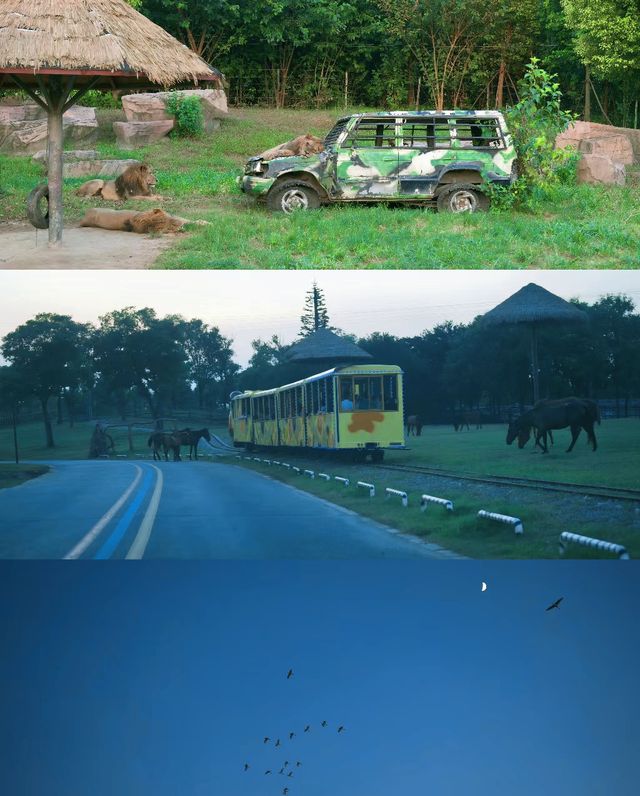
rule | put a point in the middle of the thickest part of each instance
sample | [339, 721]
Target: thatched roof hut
[56, 50]
[328, 347]
[534, 306]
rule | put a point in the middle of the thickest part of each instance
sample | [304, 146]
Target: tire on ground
[290, 195]
[35, 214]
[462, 199]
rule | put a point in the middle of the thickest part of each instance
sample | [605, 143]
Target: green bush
[535, 121]
[188, 115]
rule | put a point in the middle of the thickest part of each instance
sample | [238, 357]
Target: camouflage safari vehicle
[441, 157]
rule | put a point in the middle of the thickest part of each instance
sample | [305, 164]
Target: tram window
[309, 399]
[390, 393]
[322, 396]
[298, 401]
[361, 394]
[329, 392]
[375, 393]
[346, 394]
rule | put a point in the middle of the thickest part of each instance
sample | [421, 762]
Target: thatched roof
[326, 345]
[92, 38]
[534, 304]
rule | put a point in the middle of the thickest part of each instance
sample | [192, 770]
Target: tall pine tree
[315, 315]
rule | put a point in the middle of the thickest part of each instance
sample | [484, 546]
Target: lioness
[303, 145]
[135, 220]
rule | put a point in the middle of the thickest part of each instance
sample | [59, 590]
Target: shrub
[535, 121]
[188, 115]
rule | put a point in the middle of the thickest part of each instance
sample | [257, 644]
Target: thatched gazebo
[57, 50]
[534, 306]
[324, 346]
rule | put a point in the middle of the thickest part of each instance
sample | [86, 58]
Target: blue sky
[163, 679]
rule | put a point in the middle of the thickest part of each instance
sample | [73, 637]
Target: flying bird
[278, 742]
[298, 764]
[291, 734]
[281, 771]
[289, 674]
[340, 728]
[285, 791]
[290, 774]
[267, 772]
[556, 604]
[324, 723]
[307, 728]
[246, 766]
[266, 740]
[286, 763]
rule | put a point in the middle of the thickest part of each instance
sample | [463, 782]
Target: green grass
[568, 227]
[14, 474]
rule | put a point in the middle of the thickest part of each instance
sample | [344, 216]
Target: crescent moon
[484, 586]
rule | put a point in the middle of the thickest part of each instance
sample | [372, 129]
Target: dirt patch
[24, 247]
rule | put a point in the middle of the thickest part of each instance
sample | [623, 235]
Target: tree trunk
[500, 87]
[60, 419]
[47, 422]
[587, 94]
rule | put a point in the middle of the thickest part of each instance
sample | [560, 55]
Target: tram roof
[342, 370]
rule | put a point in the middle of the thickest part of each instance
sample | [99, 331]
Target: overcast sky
[249, 304]
[163, 680]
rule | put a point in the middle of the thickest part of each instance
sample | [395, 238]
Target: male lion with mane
[135, 182]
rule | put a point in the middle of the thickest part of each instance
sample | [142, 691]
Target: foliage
[535, 121]
[188, 115]
[315, 315]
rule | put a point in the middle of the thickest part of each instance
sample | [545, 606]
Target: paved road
[111, 509]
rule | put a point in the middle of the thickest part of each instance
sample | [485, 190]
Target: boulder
[131, 135]
[600, 170]
[85, 163]
[25, 136]
[599, 139]
[152, 107]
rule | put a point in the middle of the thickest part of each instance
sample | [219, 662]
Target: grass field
[482, 451]
[14, 474]
[569, 227]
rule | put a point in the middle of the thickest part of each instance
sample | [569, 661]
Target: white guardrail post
[588, 541]
[344, 481]
[513, 521]
[325, 476]
[310, 473]
[399, 493]
[370, 487]
[426, 499]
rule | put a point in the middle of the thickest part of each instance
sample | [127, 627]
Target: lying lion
[135, 221]
[135, 182]
[303, 145]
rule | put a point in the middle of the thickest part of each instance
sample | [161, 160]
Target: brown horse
[465, 418]
[575, 413]
[414, 424]
[166, 441]
[192, 438]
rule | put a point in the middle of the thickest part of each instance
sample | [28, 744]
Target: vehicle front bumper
[254, 185]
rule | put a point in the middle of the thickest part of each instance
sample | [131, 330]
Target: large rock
[85, 163]
[591, 138]
[152, 107]
[25, 136]
[131, 135]
[600, 170]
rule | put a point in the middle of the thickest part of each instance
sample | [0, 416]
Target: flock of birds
[288, 767]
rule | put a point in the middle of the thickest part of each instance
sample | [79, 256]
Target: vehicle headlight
[256, 166]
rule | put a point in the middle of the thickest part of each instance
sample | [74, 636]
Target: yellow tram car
[357, 408]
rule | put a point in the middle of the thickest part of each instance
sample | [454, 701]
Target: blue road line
[125, 521]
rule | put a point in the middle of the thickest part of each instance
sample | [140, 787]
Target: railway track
[589, 490]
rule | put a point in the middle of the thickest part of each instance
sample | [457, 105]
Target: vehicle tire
[36, 216]
[462, 199]
[291, 195]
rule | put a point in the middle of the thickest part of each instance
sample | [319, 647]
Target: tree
[48, 353]
[315, 315]
[134, 349]
[209, 361]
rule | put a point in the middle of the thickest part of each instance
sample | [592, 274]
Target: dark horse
[575, 413]
[464, 418]
[414, 424]
[192, 438]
